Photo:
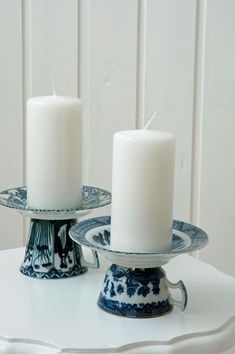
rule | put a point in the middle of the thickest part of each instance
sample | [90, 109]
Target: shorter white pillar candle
[54, 152]
[142, 191]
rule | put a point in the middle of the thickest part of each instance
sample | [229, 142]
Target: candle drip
[150, 120]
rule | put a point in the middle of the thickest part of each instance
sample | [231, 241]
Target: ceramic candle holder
[135, 285]
[138, 293]
[50, 253]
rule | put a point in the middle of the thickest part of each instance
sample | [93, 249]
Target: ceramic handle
[179, 285]
[94, 265]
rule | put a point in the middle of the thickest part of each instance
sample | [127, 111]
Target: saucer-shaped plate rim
[198, 237]
[22, 206]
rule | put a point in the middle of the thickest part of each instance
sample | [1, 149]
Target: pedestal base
[138, 293]
[51, 254]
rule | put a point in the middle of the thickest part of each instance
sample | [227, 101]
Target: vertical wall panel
[11, 118]
[217, 193]
[109, 47]
[53, 46]
[169, 83]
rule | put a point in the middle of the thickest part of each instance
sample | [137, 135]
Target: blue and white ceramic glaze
[138, 293]
[130, 292]
[16, 198]
[51, 254]
[95, 234]
[135, 285]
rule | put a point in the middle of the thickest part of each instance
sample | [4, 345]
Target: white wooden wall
[127, 58]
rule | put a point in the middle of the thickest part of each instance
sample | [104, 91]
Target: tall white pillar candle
[54, 152]
[142, 191]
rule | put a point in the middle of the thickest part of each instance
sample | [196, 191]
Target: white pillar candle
[142, 191]
[54, 152]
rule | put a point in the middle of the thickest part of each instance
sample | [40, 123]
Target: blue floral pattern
[136, 281]
[196, 238]
[16, 198]
[134, 310]
[50, 252]
[136, 293]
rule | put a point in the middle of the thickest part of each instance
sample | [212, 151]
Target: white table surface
[61, 316]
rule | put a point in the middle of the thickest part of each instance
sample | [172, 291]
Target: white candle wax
[142, 191]
[54, 152]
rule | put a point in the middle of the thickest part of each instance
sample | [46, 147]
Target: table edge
[213, 342]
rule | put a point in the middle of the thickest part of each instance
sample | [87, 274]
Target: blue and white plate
[95, 234]
[16, 198]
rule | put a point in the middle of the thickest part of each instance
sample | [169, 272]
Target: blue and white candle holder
[138, 292]
[135, 285]
[50, 253]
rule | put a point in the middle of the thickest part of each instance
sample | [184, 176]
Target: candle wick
[151, 120]
[53, 84]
